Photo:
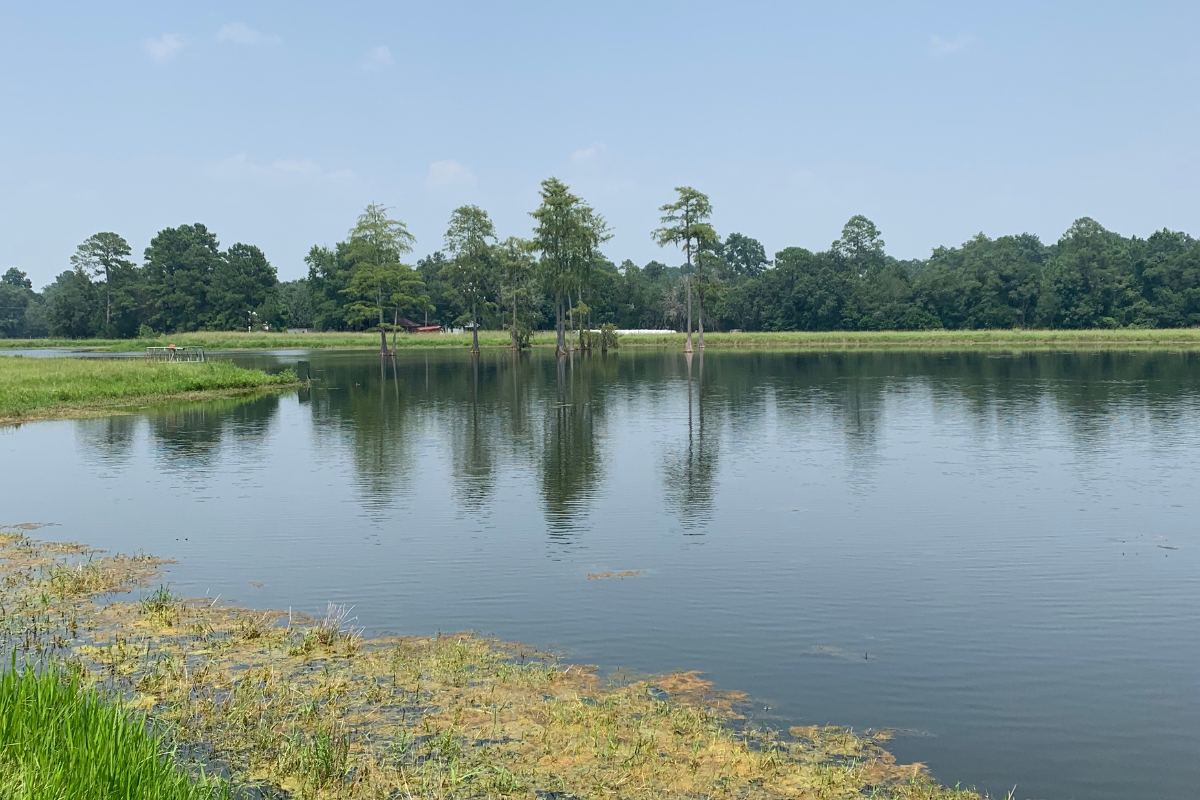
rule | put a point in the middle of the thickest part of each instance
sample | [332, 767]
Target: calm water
[996, 555]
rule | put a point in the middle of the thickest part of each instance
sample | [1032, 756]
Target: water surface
[996, 555]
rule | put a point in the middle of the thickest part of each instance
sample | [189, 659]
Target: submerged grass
[313, 709]
[32, 388]
[827, 340]
[60, 740]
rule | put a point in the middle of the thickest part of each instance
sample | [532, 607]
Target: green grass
[235, 340]
[32, 388]
[59, 740]
[947, 340]
[829, 340]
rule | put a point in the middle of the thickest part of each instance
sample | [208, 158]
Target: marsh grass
[59, 740]
[312, 708]
[1120, 338]
[40, 387]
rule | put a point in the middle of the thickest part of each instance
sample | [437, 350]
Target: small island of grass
[43, 388]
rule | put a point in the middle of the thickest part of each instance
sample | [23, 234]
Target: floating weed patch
[596, 576]
[312, 708]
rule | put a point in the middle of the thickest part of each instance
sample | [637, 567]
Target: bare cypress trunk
[687, 285]
[516, 345]
[571, 335]
[395, 324]
[107, 302]
[560, 339]
[474, 329]
[382, 331]
[700, 298]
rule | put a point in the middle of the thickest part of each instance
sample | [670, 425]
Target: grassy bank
[824, 340]
[935, 340]
[313, 708]
[40, 388]
[60, 740]
[235, 340]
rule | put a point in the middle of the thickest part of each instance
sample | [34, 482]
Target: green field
[60, 740]
[37, 388]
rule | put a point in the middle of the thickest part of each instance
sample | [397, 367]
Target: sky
[275, 123]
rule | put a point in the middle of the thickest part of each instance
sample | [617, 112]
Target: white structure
[643, 331]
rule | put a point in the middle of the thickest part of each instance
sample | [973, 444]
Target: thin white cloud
[449, 173]
[163, 48]
[377, 58]
[588, 153]
[241, 33]
[944, 47]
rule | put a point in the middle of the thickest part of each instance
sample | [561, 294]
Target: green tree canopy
[105, 254]
[685, 224]
[471, 271]
[377, 276]
[75, 310]
[744, 256]
[179, 266]
[518, 285]
[16, 278]
[241, 282]
[16, 293]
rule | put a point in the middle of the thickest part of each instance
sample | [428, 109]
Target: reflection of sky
[991, 535]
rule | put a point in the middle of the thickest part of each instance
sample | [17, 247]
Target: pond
[996, 555]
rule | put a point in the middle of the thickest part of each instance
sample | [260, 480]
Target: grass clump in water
[32, 388]
[60, 740]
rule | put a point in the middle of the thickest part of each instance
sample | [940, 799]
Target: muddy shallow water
[996, 555]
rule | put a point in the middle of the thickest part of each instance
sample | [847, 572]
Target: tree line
[559, 279]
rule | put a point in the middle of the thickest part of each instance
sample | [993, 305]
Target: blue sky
[274, 123]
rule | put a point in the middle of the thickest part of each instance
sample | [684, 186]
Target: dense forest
[560, 277]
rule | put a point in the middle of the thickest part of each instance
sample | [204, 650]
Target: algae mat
[297, 707]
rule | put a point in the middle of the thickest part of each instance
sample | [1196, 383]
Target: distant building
[416, 327]
[408, 325]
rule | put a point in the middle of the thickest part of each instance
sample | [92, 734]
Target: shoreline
[315, 708]
[133, 406]
[1139, 338]
[34, 389]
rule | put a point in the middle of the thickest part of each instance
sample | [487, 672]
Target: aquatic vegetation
[596, 576]
[32, 388]
[313, 708]
[59, 739]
